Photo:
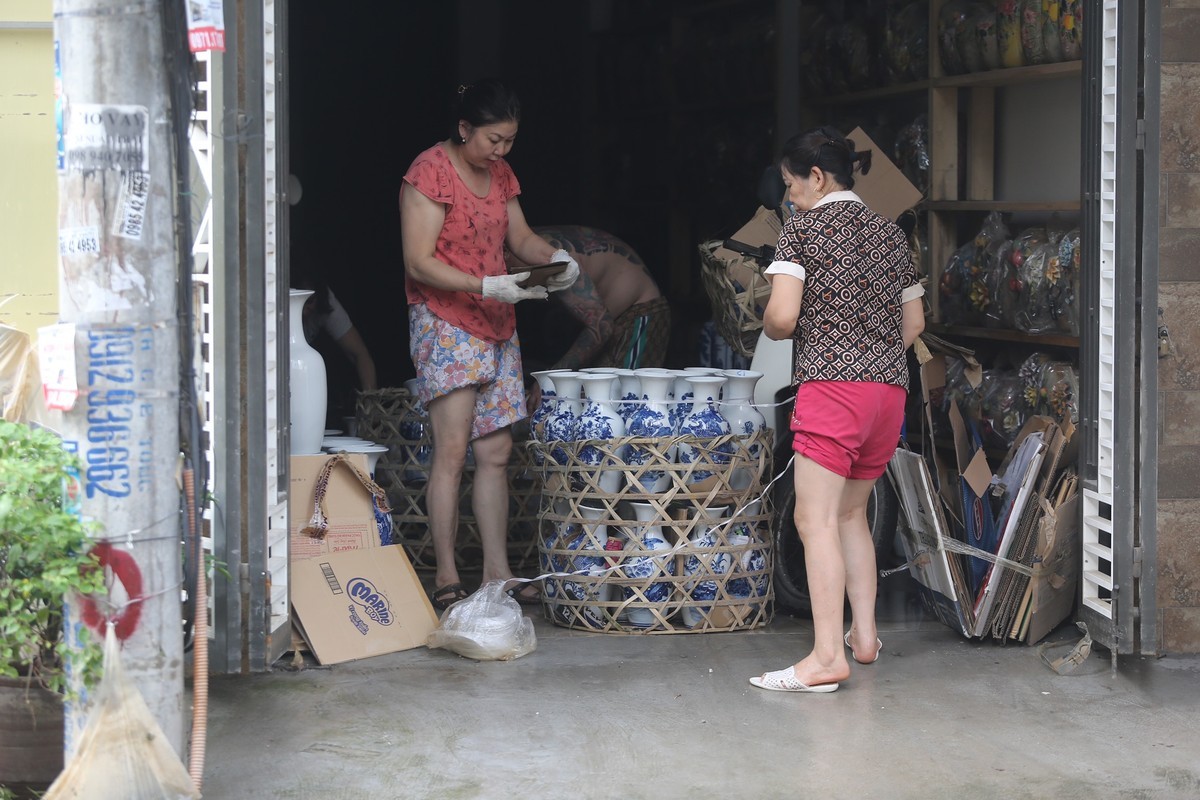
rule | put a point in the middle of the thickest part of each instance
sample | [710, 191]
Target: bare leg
[489, 501]
[450, 418]
[858, 552]
[818, 506]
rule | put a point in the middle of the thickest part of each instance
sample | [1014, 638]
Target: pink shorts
[850, 428]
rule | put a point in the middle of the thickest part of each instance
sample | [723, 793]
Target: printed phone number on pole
[131, 205]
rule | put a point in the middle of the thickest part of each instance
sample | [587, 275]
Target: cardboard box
[348, 509]
[360, 603]
[884, 189]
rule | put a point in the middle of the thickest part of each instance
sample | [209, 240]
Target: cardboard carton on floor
[360, 603]
[348, 509]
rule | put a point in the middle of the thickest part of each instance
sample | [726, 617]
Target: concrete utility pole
[117, 286]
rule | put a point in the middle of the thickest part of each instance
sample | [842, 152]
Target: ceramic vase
[680, 398]
[416, 453]
[628, 395]
[594, 536]
[599, 421]
[560, 423]
[651, 420]
[537, 421]
[749, 555]
[647, 535]
[745, 420]
[704, 423]
[713, 562]
[307, 391]
[372, 451]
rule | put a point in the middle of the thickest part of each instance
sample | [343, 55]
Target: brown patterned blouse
[858, 271]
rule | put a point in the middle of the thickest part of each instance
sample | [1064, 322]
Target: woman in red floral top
[458, 209]
[845, 290]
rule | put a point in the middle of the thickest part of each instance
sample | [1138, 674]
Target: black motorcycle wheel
[791, 580]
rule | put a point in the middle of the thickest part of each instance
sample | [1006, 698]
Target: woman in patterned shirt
[845, 290]
[458, 210]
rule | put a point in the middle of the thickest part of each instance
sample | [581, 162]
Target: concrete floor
[604, 716]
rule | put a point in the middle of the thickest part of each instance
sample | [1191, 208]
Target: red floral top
[471, 240]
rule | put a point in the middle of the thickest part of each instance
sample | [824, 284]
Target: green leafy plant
[44, 561]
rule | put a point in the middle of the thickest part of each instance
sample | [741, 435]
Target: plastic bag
[912, 152]
[953, 22]
[1008, 34]
[906, 42]
[122, 752]
[487, 626]
[1070, 30]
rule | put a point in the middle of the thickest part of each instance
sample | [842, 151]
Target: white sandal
[784, 680]
[878, 650]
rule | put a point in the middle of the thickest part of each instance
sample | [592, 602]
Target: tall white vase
[560, 423]
[651, 420]
[307, 391]
[599, 421]
[537, 422]
[704, 422]
[647, 535]
[593, 537]
[749, 555]
[703, 564]
[373, 451]
[628, 395]
[737, 406]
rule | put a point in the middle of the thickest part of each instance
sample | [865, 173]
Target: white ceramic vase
[749, 556]
[560, 423]
[704, 422]
[628, 394]
[713, 562]
[537, 421]
[651, 420]
[745, 420]
[647, 536]
[594, 536]
[599, 421]
[412, 426]
[307, 392]
[373, 451]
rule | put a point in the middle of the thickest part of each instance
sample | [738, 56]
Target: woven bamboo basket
[393, 417]
[736, 310]
[602, 582]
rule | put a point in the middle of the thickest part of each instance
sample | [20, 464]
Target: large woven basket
[735, 569]
[393, 417]
[736, 309]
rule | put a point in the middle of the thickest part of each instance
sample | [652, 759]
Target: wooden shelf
[1004, 335]
[1011, 76]
[1011, 206]
[883, 92]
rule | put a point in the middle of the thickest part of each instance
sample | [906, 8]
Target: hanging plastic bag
[487, 626]
[122, 753]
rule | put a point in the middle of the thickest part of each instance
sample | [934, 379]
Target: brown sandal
[526, 594]
[446, 596]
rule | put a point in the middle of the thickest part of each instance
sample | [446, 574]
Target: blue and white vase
[704, 423]
[593, 537]
[680, 396]
[628, 395]
[417, 453]
[599, 422]
[383, 520]
[706, 561]
[749, 555]
[560, 424]
[546, 402]
[647, 536]
[652, 420]
[745, 420]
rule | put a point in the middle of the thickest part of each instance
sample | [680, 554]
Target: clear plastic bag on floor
[487, 626]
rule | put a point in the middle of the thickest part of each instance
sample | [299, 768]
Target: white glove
[564, 279]
[508, 288]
